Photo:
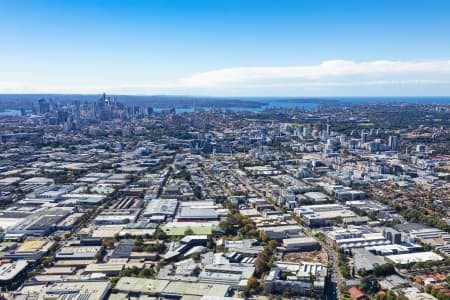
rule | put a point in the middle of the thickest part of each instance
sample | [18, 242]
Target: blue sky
[226, 48]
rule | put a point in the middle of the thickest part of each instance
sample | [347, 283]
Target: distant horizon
[11, 103]
[226, 97]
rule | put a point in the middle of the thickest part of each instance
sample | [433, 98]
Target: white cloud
[332, 69]
[339, 76]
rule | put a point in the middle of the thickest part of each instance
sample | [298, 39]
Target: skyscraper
[44, 106]
[393, 142]
[364, 136]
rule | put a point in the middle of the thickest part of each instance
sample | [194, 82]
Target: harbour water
[288, 103]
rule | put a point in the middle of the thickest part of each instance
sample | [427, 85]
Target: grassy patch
[366, 124]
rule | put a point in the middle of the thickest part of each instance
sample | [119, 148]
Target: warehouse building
[352, 238]
[46, 194]
[172, 289]
[117, 216]
[161, 207]
[317, 197]
[9, 271]
[394, 249]
[123, 250]
[365, 260]
[323, 215]
[109, 269]
[190, 214]
[78, 252]
[87, 289]
[300, 244]
[235, 275]
[404, 259]
[30, 250]
[40, 223]
[282, 232]
[298, 281]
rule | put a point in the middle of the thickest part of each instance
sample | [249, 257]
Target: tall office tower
[113, 128]
[328, 129]
[364, 136]
[137, 111]
[77, 113]
[353, 143]
[306, 132]
[393, 142]
[44, 106]
[53, 106]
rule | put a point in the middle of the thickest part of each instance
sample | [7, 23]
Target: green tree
[189, 231]
[264, 237]
[47, 262]
[160, 234]
[227, 226]
[261, 263]
[252, 283]
[369, 284]
[384, 270]
[390, 295]
[146, 273]
[69, 176]
[401, 297]
[108, 244]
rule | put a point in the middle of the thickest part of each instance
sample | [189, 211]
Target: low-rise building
[89, 289]
[303, 278]
[300, 244]
[404, 259]
[323, 215]
[78, 252]
[9, 271]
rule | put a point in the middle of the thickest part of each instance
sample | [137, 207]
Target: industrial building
[365, 260]
[46, 194]
[31, 250]
[282, 231]
[117, 216]
[300, 244]
[323, 215]
[298, 282]
[392, 235]
[88, 289]
[78, 252]
[174, 289]
[352, 238]
[161, 207]
[404, 259]
[9, 271]
[177, 249]
[190, 214]
[235, 275]
[123, 249]
[40, 223]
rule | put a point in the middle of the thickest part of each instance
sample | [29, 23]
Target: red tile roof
[434, 277]
[356, 293]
